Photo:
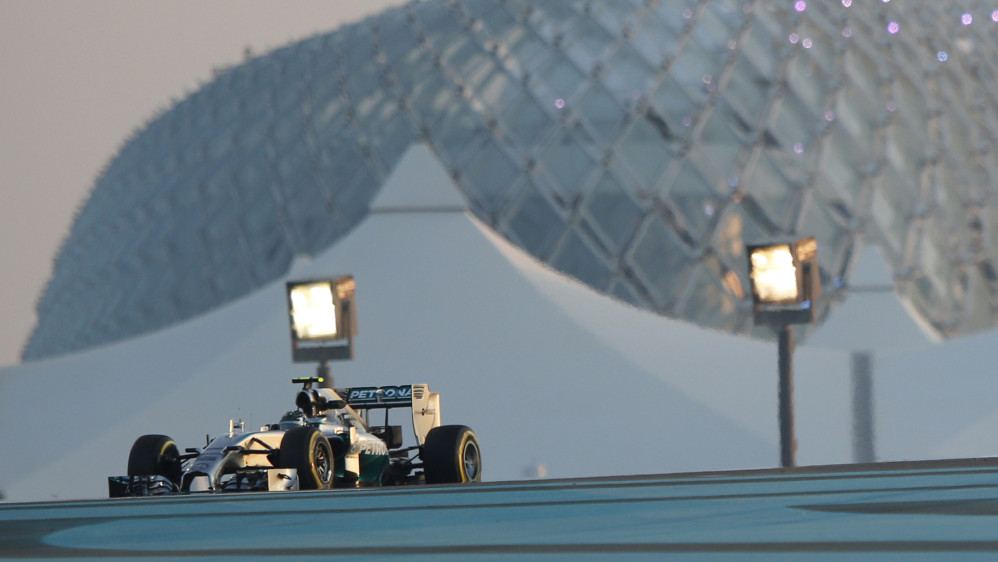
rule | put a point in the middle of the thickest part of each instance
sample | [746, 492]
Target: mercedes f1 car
[329, 441]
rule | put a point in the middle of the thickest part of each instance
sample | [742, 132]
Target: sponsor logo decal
[380, 394]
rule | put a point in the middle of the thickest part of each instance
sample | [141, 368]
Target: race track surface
[903, 511]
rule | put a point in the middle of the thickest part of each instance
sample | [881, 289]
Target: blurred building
[635, 145]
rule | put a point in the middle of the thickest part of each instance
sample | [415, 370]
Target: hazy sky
[78, 77]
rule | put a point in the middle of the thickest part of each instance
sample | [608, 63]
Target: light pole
[323, 324]
[785, 282]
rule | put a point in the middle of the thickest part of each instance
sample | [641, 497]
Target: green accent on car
[371, 468]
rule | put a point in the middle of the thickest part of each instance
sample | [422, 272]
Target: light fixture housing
[785, 281]
[322, 317]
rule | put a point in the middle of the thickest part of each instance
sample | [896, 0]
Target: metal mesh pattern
[636, 145]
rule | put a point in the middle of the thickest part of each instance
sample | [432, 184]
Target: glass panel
[661, 262]
[611, 17]
[616, 214]
[718, 150]
[567, 164]
[557, 79]
[479, 69]
[598, 108]
[346, 158]
[692, 194]
[628, 75]
[551, 18]
[947, 201]
[396, 36]
[490, 174]
[795, 125]
[534, 221]
[862, 72]
[977, 310]
[498, 89]
[810, 85]
[834, 240]
[729, 243]
[328, 117]
[653, 40]
[251, 176]
[527, 121]
[266, 242]
[497, 20]
[407, 67]
[675, 14]
[730, 12]
[771, 189]
[292, 167]
[958, 133]
[351, 199]
[463, 56]
[481, 10]
[372, 106]
[399, 42]
[942, 292]
[840, 167]
[747, 92]
[712, 34]
[460, 134]
[526, 47]
[576, 258]
[989, 216]
[289, 128]
[586, 41]
[313, 226]
[438, 21]
[431, 98]
[905, 150]
[708, 304]
[643, 149]
[859, 116]
[623, 290]
[693, 68]
[220, 145]
[675, 107]
[892, 208]
[759, 45]
[194, 291]
[393, 138]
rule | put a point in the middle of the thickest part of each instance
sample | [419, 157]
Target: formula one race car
[324, 443]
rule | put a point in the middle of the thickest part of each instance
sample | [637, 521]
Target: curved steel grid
[635, 145]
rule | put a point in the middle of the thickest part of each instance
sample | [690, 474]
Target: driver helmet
[292, 420]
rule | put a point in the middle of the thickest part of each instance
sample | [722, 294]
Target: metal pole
[324, 372]
[788, 441]
[862, 407]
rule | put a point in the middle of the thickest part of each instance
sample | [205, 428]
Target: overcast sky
[78, 77]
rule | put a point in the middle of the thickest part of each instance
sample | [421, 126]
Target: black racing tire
[155, 455]
[308, 451]
[451, 455]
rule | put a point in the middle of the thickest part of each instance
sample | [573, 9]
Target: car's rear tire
[155, 455]
[451, 455]
[307, 450]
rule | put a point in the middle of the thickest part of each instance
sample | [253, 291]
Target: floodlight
[322, 319]
[774, 276]
[785, 281]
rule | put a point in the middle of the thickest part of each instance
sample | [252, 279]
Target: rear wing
[425, 404]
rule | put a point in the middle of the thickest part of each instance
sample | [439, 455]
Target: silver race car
[329, 441]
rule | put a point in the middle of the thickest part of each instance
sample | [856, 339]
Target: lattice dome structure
[636, 145]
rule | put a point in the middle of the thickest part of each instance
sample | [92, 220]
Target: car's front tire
[307, 450]
[155, 455]
[451, 455]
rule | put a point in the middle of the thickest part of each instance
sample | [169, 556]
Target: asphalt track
[904, 511]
